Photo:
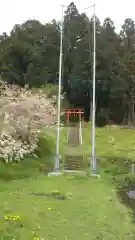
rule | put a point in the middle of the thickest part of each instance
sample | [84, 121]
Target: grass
[90, 208]
[110, 141]
[92, 212]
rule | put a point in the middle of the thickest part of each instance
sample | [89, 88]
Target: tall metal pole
[93, 99]
[57, 157]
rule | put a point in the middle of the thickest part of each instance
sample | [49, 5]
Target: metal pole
[80, 129]
[57, 157]
[93, 100]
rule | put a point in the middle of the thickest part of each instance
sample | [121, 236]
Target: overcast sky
[17, 11]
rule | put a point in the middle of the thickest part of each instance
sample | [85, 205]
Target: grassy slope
[110, 141]
[93, 212]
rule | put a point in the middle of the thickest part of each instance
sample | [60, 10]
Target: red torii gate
[73, 112]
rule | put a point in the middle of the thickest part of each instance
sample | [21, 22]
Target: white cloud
[18, 11]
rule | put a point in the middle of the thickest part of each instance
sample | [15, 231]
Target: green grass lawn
[91, 208]
[92, 211]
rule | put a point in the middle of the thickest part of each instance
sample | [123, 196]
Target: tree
[30, 55]
[127, 35]
[27, 53]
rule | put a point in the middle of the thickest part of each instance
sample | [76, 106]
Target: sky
[18, 11]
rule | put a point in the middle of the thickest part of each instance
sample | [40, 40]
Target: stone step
[75, 162]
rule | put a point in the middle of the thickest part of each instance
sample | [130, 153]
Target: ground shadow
[128, 202]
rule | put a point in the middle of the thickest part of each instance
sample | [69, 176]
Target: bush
[31, 167]
[125, 181]
[46, 146]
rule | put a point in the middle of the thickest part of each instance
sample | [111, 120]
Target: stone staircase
[74, 162]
